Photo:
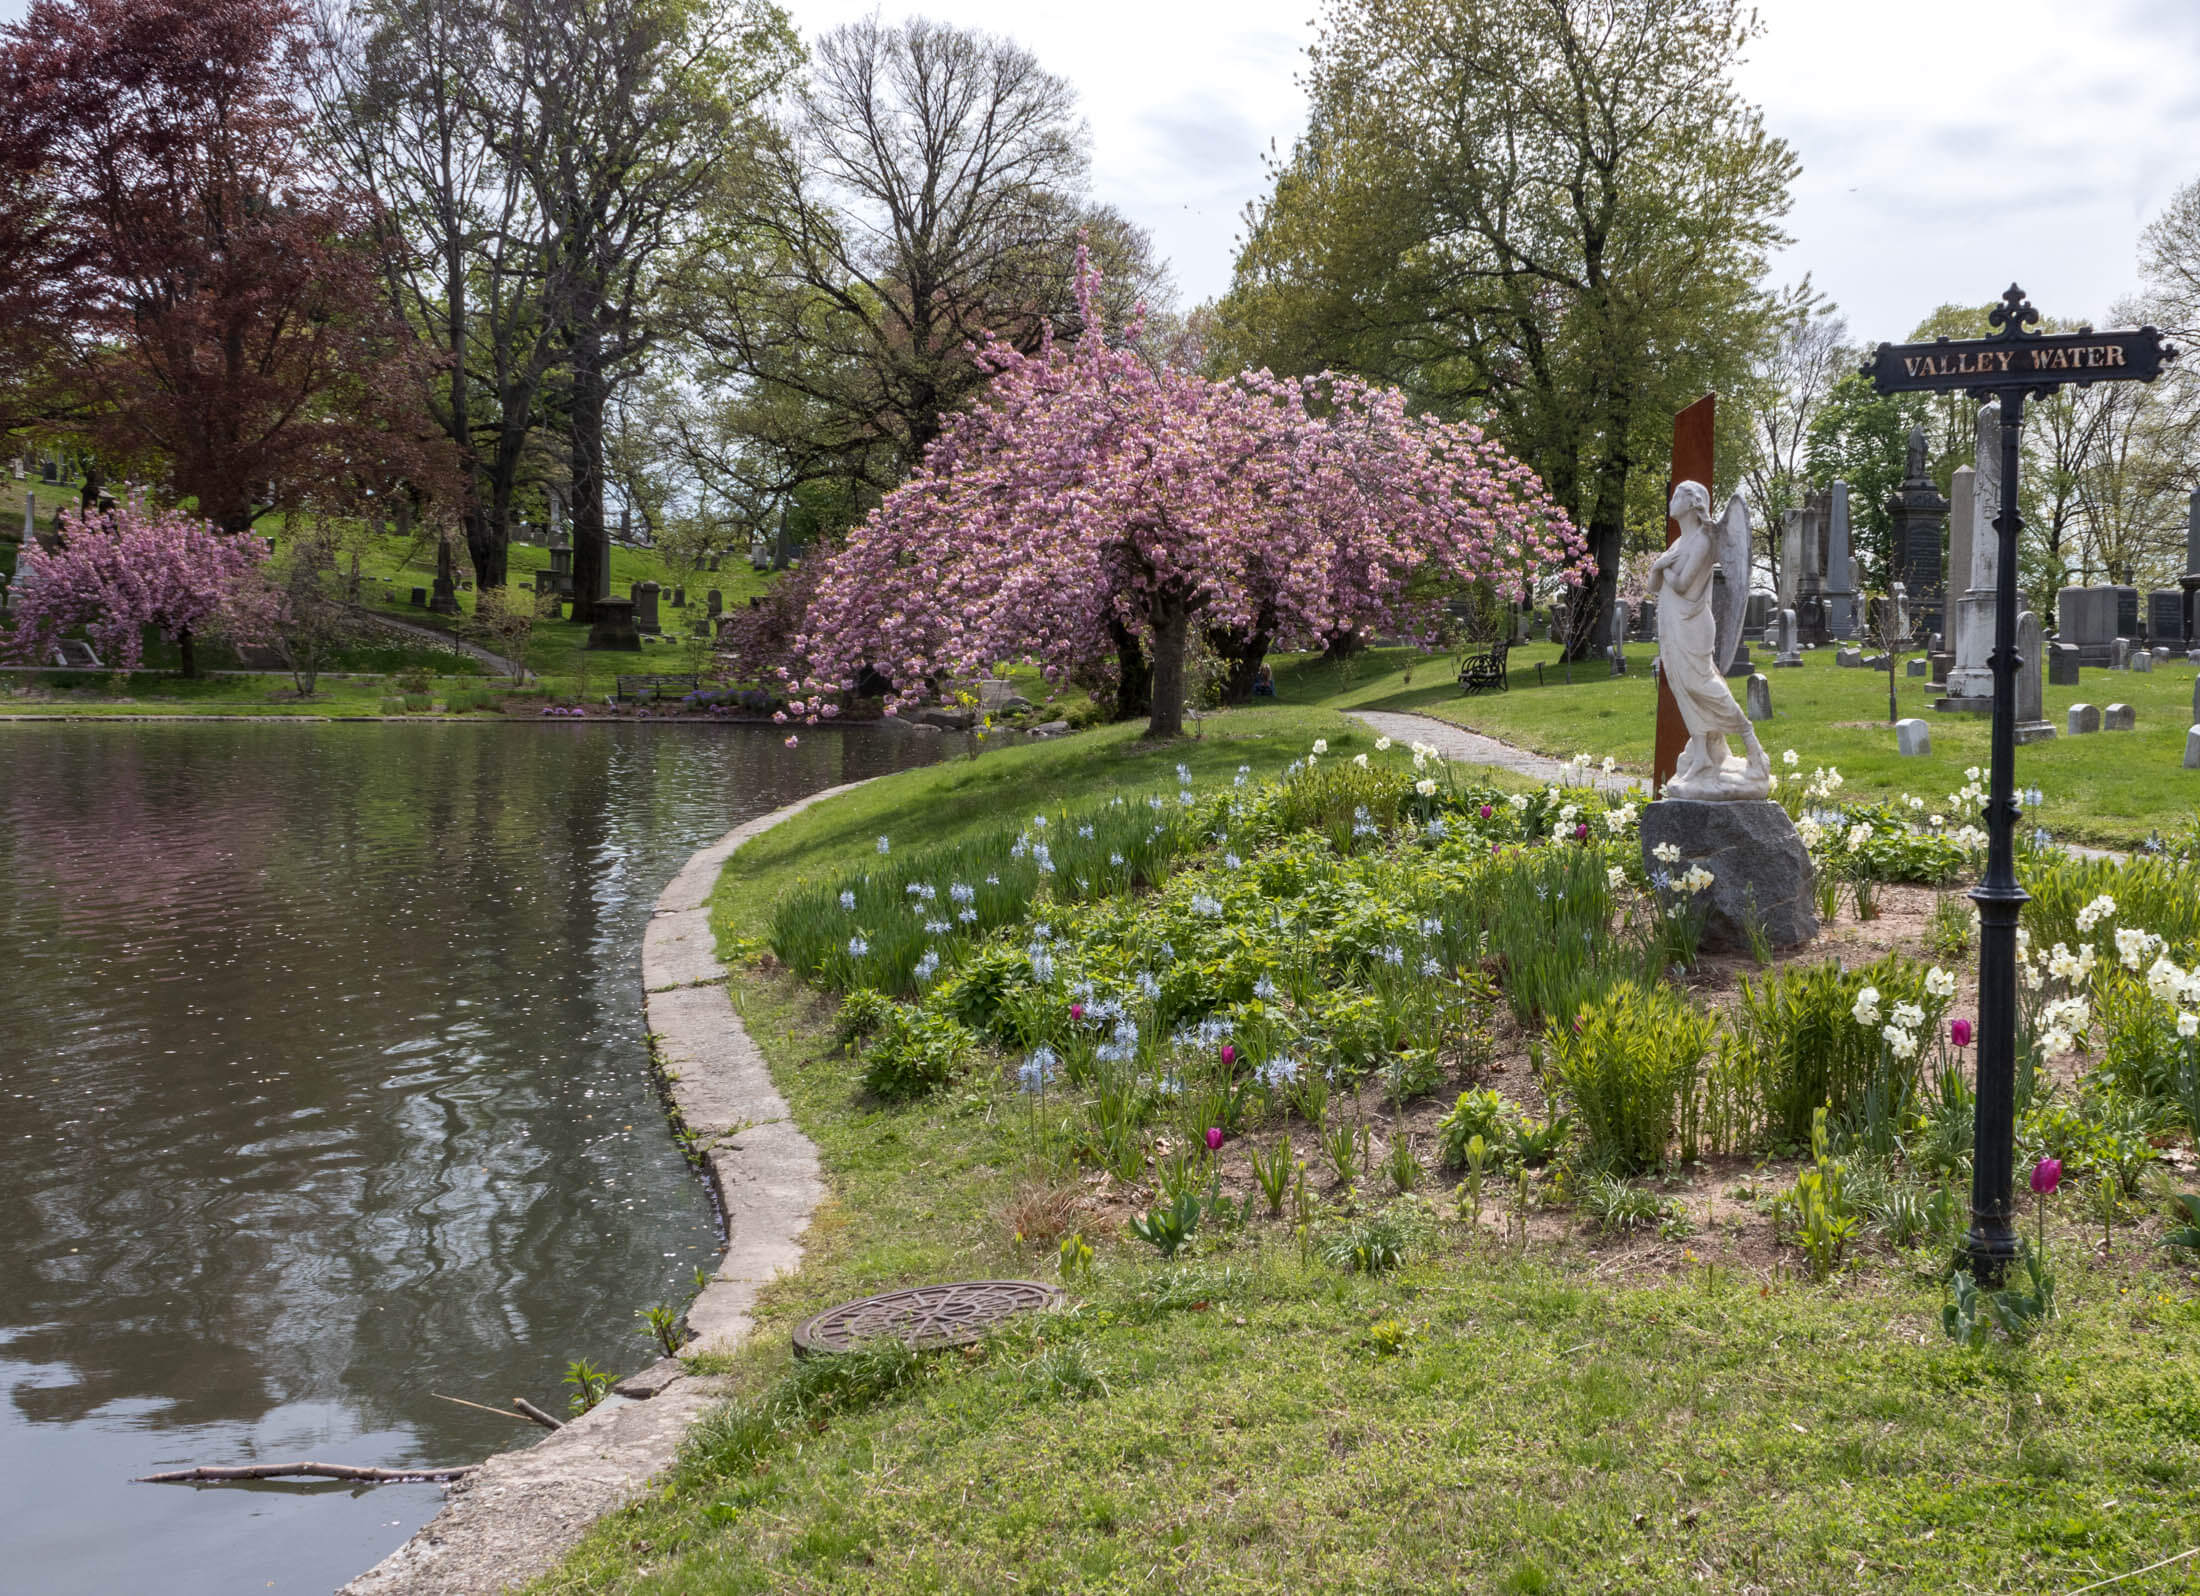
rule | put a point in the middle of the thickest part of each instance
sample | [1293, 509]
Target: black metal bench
[1486, 670]
[648, 689]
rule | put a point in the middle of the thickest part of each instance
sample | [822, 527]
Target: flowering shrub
[134, 570]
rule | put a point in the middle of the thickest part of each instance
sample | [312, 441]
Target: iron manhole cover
[925, 1316]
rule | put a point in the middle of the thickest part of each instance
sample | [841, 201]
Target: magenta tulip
[1214, 1138]
[2046, 1176]
[1077, 1011]
[1581, 832]
[1485, 811]
[1229, 1055]
[1959, 1032]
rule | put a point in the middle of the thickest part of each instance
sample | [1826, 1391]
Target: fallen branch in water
[535, 1413]
[502, 1413]
[325, 1471]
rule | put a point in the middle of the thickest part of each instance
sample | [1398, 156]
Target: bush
[1482, 1113]
[1629, 1067]
[914, 1053]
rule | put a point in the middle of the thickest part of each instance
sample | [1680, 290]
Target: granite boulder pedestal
[1760, 871]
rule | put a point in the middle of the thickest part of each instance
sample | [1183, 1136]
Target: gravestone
[1646, 621]
[1942, 663]
[1913, 738]
[2190, 581]
[1920, 518]
[645, 607]
[2032, 723]
[2192, 749]
[2062, 665]
[1848, 658]
[679, 598]
[1810, 575]
[2119, 717]
[2127, 611]
[1971, 679]
[1790, 655]
[713, 602]
[2085, 619]
[1615, 648]
[2196, 702]
[420, 598]
[2119, 654]
[1760, 698]
[50, 472]
[2166, 617]
[1962, 522]
[1757, 615]
[1841, 618]
[2083, 718]
[1918, 667]
[1791, 555]
[561, 564]
[2143, 662]
[613, 627]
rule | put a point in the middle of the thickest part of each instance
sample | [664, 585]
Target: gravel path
[1457, 743]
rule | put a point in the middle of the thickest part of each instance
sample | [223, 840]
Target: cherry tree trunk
[1171, 618]
[187, 655]
[1133, 675]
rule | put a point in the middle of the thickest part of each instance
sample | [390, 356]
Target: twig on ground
[531, 1411]
[502, 1413]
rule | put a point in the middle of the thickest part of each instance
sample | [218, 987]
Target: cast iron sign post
[2016, 362]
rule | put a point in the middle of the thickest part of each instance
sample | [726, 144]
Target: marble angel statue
[1694, 646]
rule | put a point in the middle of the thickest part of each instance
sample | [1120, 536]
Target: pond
[327, 1093]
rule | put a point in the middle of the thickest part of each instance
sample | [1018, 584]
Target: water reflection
[324, 1061]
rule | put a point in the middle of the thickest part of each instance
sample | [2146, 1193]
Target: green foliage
[1619, 1204]
[2018, 1312]
[1821, 1220]
[1272, 1173]
[590, 1385]
[1536, 1142]
[860, 1015]
[1794, 1043]
[914, 1052]
[1167, 1226]
[1628, 1066]
[1479, 1113]
[2185, 1238]
[1368, 1246]
[661, 1324]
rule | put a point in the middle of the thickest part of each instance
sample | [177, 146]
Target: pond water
[326, 1090]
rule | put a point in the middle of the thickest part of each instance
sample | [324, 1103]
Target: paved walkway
[1457, 743]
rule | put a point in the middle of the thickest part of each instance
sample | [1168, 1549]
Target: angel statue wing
[1730, 541]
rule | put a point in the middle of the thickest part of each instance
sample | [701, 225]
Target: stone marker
[2196, 702]
[2192, 749]
[1874, 662]
[2166, 616]
[1790, 641]
[2119, 654]
[2119, 717]
[1848, 658]
[2084, 718]
[1791, 555]
[1918, 667]
[1912, 737]
[1840, 567]
[2062, 665]
[2086, 620]
[420, 598]
[1760, 698]
[1971, 681]
[645, 607]
[614, 626]
[2143, 663]
[1920, 514]
[2032, 722]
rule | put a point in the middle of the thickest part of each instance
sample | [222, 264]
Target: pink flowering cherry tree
[122, 573]
[1091, 497]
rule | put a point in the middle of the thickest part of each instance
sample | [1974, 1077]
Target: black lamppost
[2015, 363]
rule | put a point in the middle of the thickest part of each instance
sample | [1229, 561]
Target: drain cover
[925, 1316]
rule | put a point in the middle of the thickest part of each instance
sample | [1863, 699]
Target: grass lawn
[1580, 1413]
[2109, 788]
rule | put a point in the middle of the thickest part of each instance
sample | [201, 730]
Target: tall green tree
[1557, 213]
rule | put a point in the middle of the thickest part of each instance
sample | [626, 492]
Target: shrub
[1629, 1066]
[1482, 1113]
[915, 1052]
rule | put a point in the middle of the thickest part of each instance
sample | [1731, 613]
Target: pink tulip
[1959, 1032]
[1484, 811]
[1581, 832]
[2046, 1176]
[1229, 1055]
[1214, 1138]
[1077, 1011]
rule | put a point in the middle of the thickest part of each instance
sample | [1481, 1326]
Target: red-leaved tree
[1090, 499]
[216, 303]
[130, 571]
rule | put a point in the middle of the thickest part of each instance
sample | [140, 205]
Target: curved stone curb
[511, 1522]
[1473, 748]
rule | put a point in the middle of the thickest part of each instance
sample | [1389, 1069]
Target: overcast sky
[1948, 146]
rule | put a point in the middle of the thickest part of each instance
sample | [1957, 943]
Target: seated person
[1264, 681]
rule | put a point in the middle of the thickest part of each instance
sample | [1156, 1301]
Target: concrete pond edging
[512, 1520]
